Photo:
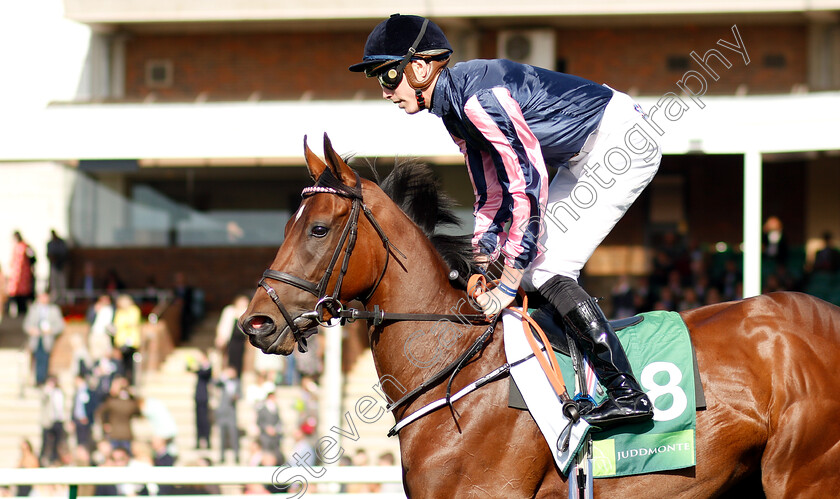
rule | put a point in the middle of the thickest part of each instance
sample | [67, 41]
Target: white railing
[282, 477]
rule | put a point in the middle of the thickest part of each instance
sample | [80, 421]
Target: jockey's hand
[483, 261]
[493, 301]
[498, 298]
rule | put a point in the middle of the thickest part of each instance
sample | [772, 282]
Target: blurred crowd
[686, 274]
[92, 424]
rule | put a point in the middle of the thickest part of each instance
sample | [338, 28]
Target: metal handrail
[218, 475]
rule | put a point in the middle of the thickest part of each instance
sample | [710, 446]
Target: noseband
[328, 184]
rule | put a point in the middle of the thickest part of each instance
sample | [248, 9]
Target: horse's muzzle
[260, 330]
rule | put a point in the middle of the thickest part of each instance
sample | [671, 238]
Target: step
[373, 439]
[30, 427]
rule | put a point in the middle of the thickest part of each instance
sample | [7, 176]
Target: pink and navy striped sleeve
[510, 179]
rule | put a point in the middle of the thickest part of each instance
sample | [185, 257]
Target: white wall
[34, 198]
[43, 58]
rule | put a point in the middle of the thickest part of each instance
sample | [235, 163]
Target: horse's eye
[319, 231]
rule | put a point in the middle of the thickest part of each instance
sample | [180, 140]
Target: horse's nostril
[259, 323]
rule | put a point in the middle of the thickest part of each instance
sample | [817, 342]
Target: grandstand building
[163, 136]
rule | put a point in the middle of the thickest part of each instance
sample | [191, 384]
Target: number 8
[655, 390]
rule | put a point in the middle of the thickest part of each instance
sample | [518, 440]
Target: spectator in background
[772, 284]
[151, 291]
[713, 296]
[774, 244]
[161, 453]
[662, 267]
[113, 458]
[3, 295]
[701, 287]
[88, 283]
[307, 404]
[302, 450]
[623, 299]
[230, 392]
[100, 339]
[82, 413]
[185, 295]
[101, 453]
[310, 364]
[58, 254]
[387, 459]
[161, 420]
[203, 369]
[254, 453]
[666, 300]
[113, 284]
[643, 297]
[127, 337]
[116, 413]
[230, 340]
[828, 258]
[52, 421]
[786, 281]
[20, 280]
[27, 460]
[139, 459]
[81, 363]
[270, 426]
[269, 366]
[689, 300]
[105, 370]
[360, 458]
[43, 322]
[197, 489]
[675, 283]
[729, 281]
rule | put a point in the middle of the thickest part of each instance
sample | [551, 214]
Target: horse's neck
[407, 352]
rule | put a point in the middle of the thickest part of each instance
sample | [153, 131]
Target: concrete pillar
[752, 223]
[332, 384]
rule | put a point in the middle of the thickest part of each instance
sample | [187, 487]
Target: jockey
[511, 121]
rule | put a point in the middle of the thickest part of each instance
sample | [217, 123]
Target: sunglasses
[389, 74]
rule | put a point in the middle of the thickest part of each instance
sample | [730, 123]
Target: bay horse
[767, 364]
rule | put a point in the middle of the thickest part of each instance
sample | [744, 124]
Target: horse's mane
[414, 187]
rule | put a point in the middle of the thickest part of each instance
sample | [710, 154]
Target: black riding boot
[626, 402]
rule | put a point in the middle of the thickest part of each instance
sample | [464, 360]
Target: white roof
[274, 130]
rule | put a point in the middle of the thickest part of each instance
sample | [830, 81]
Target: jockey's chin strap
[421, 101]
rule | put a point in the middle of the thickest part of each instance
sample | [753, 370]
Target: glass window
[185, 207]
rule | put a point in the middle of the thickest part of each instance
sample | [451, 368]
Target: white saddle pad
[544, 405]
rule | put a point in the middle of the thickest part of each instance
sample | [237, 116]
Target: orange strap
[476, 285]
[549, 365]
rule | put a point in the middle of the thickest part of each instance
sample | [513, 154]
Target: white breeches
[588, 198]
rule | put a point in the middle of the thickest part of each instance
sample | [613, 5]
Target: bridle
[329, 302]
[328, 184]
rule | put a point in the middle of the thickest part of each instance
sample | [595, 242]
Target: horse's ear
[339, 167]
[313, 163]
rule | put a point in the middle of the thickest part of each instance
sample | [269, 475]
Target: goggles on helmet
[390, 74]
